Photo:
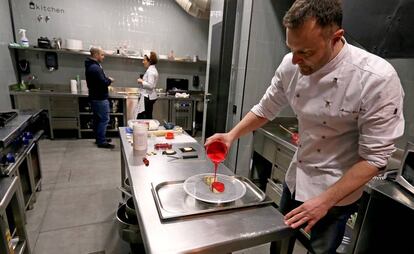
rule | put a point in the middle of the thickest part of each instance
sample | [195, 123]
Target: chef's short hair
[95, 50]
[326, 13]
[152, 58]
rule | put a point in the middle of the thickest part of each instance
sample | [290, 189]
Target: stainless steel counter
[220, 232]
[64, 93]
[117, 93]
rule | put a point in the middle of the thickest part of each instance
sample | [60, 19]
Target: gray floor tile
[49, 177]
[35, 216]
[78, 206]
[32, 235]
[94, 175]
[48, 186]
[82, 240]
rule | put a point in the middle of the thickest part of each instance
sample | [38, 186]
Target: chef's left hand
[140, 81]
[309, 212]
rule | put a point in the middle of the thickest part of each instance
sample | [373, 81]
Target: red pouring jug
[216, 151]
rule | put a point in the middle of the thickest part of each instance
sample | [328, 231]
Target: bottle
[24, 42]
[78, 84]
[140, 137]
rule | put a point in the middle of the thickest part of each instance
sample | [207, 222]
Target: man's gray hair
[325, 12]
[95, 50]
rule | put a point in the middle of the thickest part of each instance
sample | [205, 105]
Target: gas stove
[20, 130]
[6, 117]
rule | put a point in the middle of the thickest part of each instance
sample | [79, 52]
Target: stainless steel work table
[219, 232]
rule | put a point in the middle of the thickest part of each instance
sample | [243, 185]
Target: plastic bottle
[78, 84]
[24, 42]
[140, 137]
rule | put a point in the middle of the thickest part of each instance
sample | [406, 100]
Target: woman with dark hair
[147, 87]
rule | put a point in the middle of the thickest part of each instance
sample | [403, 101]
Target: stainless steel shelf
[90, 130]
[86, 53]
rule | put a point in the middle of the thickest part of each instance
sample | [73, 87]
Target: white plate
[198, 189]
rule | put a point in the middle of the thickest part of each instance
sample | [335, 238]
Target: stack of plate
[72, 44]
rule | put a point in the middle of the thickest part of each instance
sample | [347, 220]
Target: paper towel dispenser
[385, 29]
[51, 61]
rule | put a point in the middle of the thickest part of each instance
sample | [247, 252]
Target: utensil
[293, 135]
[168, 125]
[193, 156]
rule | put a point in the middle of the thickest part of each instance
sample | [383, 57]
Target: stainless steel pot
[127, 185]
[130, 209]
[128, 228]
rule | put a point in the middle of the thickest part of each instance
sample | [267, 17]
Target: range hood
[196, 8]
[385, 28]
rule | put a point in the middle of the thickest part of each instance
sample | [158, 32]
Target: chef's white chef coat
[349, 109]
[147, 89]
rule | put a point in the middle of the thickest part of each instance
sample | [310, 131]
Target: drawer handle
[278, 149]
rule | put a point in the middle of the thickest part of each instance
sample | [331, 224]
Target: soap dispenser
[24, 42]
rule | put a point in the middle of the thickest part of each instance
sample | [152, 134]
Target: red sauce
[217, 152]
[218, 186]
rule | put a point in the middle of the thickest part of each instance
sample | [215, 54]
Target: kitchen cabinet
[13, 235]
[64, 113]
[71, 112]
[117, 116]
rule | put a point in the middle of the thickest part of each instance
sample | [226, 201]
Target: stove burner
[6, 117]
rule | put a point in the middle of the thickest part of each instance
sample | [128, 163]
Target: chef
[147, 86]
[349, 105]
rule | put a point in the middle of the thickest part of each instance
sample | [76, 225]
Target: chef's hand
[309, 212]
[140, 81]
[223, 137]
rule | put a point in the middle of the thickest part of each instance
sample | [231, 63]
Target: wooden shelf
[86, 53]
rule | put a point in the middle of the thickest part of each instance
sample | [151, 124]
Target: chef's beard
[306, 70]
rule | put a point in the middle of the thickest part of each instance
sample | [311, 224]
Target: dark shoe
[106, 145]
[108, 140]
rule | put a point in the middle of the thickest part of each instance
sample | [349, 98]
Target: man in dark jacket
[98, 84]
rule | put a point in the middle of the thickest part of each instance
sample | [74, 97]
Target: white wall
[7, 72]
[261, 49]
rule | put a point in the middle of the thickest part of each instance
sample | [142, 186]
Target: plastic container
[24, 42]
[140, 137]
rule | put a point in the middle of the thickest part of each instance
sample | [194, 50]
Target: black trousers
[327, 233]
[149, 106]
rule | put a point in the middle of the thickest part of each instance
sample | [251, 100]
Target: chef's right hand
[223, 137]
[111, 79]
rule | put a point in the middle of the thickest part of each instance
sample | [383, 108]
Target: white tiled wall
[7, 74]
[160, 25]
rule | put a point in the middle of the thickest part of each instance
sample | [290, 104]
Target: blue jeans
[100, 109]
[327, 233]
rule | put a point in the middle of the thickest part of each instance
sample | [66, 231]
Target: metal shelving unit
[85, 53]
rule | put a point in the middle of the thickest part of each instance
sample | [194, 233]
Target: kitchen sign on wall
[50, 9]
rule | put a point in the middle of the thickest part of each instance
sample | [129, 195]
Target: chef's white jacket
[351, 108]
